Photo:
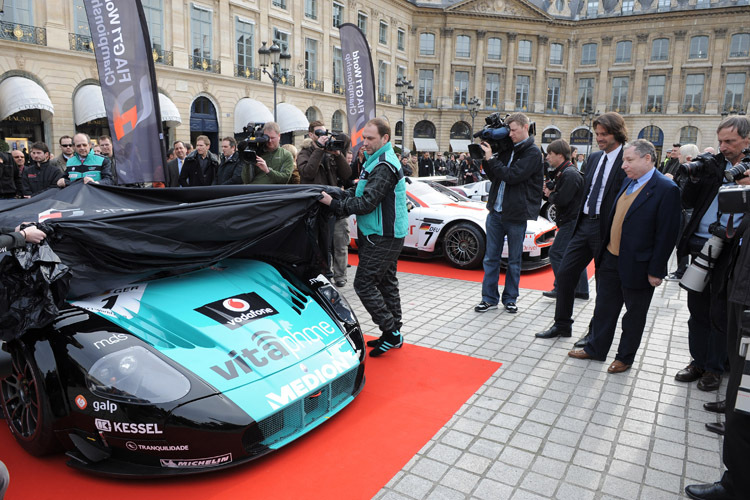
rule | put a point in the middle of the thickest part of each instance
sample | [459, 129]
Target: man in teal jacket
[91, 167]
[379, 201]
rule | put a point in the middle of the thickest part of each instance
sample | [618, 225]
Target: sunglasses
[66, 145]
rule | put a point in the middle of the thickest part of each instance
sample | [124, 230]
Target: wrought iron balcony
[732, 108]
[23, 33]
[654, 107]
[692, 108]
[338, 88]
[384, 98]
[81, 43]
[314, 84]
[246, 72]
[287, 80]
[165, 57]
[621, 108]
[205, 64]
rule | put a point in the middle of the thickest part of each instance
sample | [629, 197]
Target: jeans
[557, 251]
[340, 248]
[496, 232]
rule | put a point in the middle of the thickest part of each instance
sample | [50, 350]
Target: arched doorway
[337, 122]
[312, 114]
[424, 137]
[655, 136]
[203, 122]
[582, 139]
[549, 135]
[460, 137]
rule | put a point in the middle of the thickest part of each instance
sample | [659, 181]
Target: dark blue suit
[649, 233]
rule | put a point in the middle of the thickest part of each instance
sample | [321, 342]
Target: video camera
[699, 165]
[336, 142]
[497, 134]
[254, 144]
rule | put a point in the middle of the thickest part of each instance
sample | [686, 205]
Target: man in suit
[641, 232]
[174, 167]
[603, 177]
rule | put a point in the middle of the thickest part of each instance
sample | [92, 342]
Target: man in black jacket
[566, 195]
[604, 176]
[10, 178]
[708, 309]
[515, 196]
[230, 170]
[41, 174]
[199, 168]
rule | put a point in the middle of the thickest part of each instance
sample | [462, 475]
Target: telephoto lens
[696, 276]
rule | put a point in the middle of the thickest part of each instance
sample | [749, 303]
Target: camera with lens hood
[335, 142]
[496, 133]
[254, 145]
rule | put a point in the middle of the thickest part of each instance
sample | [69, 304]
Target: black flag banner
[126, 72]
[359, 81]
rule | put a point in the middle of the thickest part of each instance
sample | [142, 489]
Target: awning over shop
[18, 93]
[250, 111]
[88, 104]
[291, 118]
[169, 112]
[422, 145]
[460, 145]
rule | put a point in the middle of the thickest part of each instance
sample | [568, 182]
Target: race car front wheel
[464, 245]
[26, 407]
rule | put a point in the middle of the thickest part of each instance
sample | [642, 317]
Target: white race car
[480, 191]
[445, 223]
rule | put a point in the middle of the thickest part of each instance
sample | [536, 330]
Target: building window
[592, 7]
[280, 4]
[555, 53]
[337, 122]
[22, 11]
[245, 35]
[338, 69]
[282, 40]
[735, 93]
[524, 51]
[620, 94]
[622, 51]
[693, 94]
[494, 49]
[427, 44]
[585, 95]
[383, 33]
[588, 54]
[655, 94]
[740, 46]
[401, 73]
[201, 29]
[311, 59]
[311, 9]
[660, 49]
[664, 5]
[338, 14]
[155, 19]
[461, 88]
[463, 46]
[492, 91]
[362, 22]
[382, 77]
[627, 6]
[522, 92]
[689, 135]
[553, 95]
[698, 47]
[79, 18]
[425, 87]
[401, 39]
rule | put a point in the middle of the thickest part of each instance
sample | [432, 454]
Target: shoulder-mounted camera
[254, 144]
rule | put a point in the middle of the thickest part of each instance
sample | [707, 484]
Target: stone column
[638, 102]
[443, 92]
[510, 83]
[675, 78]
[179, 18]
[224, 24]
[604, 94]
[480, 58]
[571, 85]
[712, 89]
[540, 94]
[57, 29]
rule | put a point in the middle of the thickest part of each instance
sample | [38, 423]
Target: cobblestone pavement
[548, 426]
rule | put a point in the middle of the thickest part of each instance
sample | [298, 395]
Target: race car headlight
[135, 375]
[338, 303]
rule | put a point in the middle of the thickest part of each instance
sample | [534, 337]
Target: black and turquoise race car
[187, 370]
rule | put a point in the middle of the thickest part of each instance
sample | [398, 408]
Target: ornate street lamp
[404, 89]
[473, 106]
[588, 116]
[279, 62]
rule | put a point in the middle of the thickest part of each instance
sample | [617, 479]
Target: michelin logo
[196, 462]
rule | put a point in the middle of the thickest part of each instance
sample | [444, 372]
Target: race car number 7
[428, 237]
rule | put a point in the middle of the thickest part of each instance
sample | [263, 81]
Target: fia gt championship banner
[359, 81]
[126, 72]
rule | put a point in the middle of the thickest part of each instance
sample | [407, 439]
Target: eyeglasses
[81, 145]
[67, 145]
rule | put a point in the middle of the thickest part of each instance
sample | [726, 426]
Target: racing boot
[387, 342]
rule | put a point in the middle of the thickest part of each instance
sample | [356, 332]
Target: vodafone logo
[81, 402]
[236, 305]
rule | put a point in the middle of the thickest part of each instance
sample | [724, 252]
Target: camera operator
[275, 165]
[515, 197]
[708, 309]
[565, 191]
[318, 163]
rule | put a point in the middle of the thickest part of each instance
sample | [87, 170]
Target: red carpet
[408, 396]
[541, 279]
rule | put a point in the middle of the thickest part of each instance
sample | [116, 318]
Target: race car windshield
[434, 194]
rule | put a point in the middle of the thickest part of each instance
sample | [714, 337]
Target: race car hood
[465, 209]
[232, 324]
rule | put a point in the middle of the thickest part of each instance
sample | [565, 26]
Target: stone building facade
[671, 67]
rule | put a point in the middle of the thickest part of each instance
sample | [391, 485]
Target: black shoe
[387, 342]
[582, 296]
[718, 428]
[711, 491]
[340, 283]
[552, 294]
[710, 381]
[484, 307]
[716, 406]
[374, 342]
[553, 332]
[583, 341]
[511, 307]
[690, 373]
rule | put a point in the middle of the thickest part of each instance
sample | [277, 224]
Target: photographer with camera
[515, 197]
[707, 299]
[269, 163]
[565, 191]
